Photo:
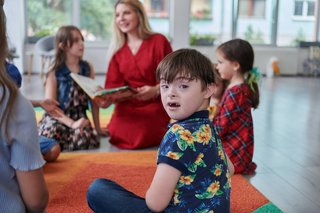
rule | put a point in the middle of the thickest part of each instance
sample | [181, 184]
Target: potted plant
[202, 40]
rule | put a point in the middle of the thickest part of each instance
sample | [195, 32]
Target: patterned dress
[233, 121]
[193, 147]
[74, 102]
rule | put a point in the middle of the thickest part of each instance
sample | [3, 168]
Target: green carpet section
[268, 208]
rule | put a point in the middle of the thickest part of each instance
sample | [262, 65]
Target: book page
[93, 89]
[89, 85]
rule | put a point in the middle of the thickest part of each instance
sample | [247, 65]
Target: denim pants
[106, 196]
[46, 144]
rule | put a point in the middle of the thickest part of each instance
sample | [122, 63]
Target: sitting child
[233, 119]
[192, 173]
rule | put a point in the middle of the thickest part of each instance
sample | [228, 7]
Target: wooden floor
[287, 140]
[287, 143]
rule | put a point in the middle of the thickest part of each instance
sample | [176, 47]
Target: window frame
[304, 16]
[250, 12]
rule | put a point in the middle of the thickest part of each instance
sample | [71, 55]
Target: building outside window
[204, 26]
[254, 21]
[158, 13]
[252, 8]
[296, 22]
[304, 8]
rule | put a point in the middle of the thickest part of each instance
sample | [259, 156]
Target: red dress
[233, 121]
[137, 124]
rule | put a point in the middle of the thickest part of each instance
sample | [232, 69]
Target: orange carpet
[69, 178]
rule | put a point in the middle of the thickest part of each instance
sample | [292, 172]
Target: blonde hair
[118, 37]
[5, 82]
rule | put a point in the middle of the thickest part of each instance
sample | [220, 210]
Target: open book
[93, 89]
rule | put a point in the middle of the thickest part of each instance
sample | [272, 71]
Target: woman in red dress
[134, 54]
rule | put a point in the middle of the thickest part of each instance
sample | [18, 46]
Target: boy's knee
[95, 189]
[53, 154]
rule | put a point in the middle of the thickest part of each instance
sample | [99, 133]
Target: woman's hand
[147, 92]
[103, 101]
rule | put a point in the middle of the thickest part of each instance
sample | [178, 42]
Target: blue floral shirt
[193, 147]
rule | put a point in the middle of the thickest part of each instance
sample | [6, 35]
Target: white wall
[15, 13]
[290, 59]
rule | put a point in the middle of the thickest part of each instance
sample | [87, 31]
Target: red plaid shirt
[233, 121]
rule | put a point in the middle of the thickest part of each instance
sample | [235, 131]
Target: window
[252, 8]
[158, 13]
[304, 8]
[45, 17]
[204, 27]
[254, 22]
[156, 8]
[93, 17]
[96, 19]
[296, 27]
[201, 9]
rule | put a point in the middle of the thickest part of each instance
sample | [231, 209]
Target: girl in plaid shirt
[233, 118]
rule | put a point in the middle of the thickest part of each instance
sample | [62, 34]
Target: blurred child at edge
[219, 86]
[22, 184]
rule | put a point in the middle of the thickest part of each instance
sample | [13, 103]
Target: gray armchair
[44, 48]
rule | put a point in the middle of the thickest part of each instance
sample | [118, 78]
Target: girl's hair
[242, 52]
[5, 82]
[118, 37]
[63, 39]
[189, 63]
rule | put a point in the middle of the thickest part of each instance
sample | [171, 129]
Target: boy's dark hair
[242, 52]
[189, 63]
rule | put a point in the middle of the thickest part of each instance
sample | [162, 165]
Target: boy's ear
[209, 90]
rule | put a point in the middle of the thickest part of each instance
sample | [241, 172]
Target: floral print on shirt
[194, 147]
